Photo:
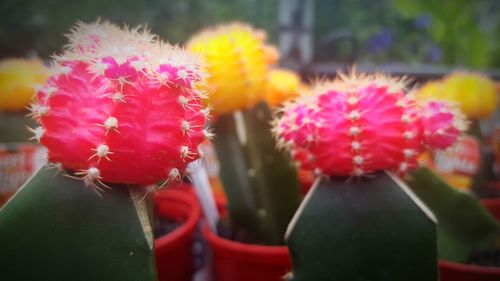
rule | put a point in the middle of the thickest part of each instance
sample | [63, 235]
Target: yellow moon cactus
[475, 93]
[18, 77]
[283, 85]
[430, 91]
[237, 61]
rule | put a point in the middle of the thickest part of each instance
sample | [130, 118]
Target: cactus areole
[121, 107]
[357, 125]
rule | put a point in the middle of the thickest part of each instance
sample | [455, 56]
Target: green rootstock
[464, 225]
[56, 228]
[362, 229]
[260, 182]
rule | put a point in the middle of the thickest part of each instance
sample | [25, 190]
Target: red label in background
[17, 164]
[463, 158]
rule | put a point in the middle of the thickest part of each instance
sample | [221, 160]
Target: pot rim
[462, 267]
[242, 251]
[187, 226]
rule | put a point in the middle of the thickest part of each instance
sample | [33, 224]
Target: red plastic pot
[244, 262]
[174, 260]
[493, 205]
[450, 271]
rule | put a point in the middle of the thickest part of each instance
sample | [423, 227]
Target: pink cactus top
[357, 125]
[121, 107]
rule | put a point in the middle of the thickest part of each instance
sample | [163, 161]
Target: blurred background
[464, 33]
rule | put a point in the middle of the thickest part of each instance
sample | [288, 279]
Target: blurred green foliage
[468, 31]
[452, 32]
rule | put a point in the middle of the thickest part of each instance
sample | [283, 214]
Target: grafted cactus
[359, 221]
[121, 107]
[122, 111]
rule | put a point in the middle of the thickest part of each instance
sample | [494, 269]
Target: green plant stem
[260, 182]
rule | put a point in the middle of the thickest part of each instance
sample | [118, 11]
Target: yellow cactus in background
[18, 77]
[430, 91]
[283, 85]
[237, 61]
[475, 93]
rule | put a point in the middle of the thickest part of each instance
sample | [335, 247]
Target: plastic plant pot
[493, 205]
[450, 271]
[174, 259]
[245, 262]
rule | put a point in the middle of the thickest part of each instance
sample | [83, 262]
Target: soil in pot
[227, 231]
[164, 225]
[486, 258]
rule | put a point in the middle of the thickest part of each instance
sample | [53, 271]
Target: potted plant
[360, 221]
[121, 113]
[260, 183]
[19, 159]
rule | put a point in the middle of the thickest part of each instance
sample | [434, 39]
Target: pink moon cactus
[121, 107]
[356, 125]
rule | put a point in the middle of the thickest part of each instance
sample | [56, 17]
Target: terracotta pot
[174, 258]
[450, 271]
[245, 262]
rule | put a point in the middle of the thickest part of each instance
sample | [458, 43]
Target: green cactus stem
[56, 228]
[464, 225]
[362, 229]
[260, 182]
